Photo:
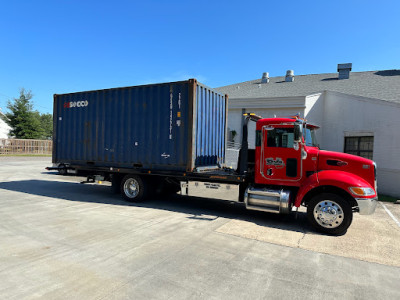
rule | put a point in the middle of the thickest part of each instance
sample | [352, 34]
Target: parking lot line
[390, 214]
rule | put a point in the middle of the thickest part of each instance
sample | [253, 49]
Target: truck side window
[280, 137]
[258, 138]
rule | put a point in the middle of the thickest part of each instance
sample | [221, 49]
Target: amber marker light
[362, 191]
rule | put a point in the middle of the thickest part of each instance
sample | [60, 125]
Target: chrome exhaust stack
[275, 201]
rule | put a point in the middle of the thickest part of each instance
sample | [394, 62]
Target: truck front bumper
[367, 206]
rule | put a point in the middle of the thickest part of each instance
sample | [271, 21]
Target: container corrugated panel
[169, 126]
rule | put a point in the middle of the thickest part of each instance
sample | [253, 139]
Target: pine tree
[23, 120]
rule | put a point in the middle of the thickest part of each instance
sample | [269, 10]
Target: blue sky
[65, 46]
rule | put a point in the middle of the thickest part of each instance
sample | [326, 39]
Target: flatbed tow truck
[286, 170]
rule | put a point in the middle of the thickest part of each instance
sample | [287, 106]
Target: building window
[359, 145]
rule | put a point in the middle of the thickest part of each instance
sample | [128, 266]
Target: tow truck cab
[331, 185]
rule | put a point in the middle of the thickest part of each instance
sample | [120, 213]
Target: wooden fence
[17, 146]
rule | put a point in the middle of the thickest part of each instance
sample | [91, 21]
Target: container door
[210, 127]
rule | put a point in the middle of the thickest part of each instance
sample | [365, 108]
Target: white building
[4, 128]
[359, 112]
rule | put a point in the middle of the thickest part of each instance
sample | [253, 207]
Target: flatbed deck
[215, 175]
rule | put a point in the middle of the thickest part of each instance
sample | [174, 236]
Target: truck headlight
[362, 191]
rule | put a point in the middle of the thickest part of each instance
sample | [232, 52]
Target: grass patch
[26, 155]
[385, 198]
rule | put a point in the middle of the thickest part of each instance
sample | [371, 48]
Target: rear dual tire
[62, 169]
[134, 188]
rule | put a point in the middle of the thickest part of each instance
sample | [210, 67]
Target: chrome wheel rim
[328, 214]
[131, 188]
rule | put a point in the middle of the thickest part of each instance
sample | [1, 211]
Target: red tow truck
[183, 149]
[290, 170]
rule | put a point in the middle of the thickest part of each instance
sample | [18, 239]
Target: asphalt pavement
[60, 240]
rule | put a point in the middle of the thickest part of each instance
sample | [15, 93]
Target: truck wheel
[62, 169]
[329, 213]
[133, 188]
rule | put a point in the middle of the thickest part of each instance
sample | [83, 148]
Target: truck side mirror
[298, 132]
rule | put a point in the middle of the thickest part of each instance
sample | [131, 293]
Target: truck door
[280, 155]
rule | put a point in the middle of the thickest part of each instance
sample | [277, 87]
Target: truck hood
[362, 167]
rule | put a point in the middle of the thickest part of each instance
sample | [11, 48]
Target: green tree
[23, 120]
[46, 122]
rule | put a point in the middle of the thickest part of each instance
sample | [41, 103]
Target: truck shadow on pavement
[198, 208]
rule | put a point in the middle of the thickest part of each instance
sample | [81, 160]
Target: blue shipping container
[169, 126]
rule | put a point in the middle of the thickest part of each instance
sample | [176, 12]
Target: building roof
[383, 85]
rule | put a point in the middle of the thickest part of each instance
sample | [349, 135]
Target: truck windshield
[310, 138]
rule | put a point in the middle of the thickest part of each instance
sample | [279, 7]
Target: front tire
[133, 188]
[330, 213]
